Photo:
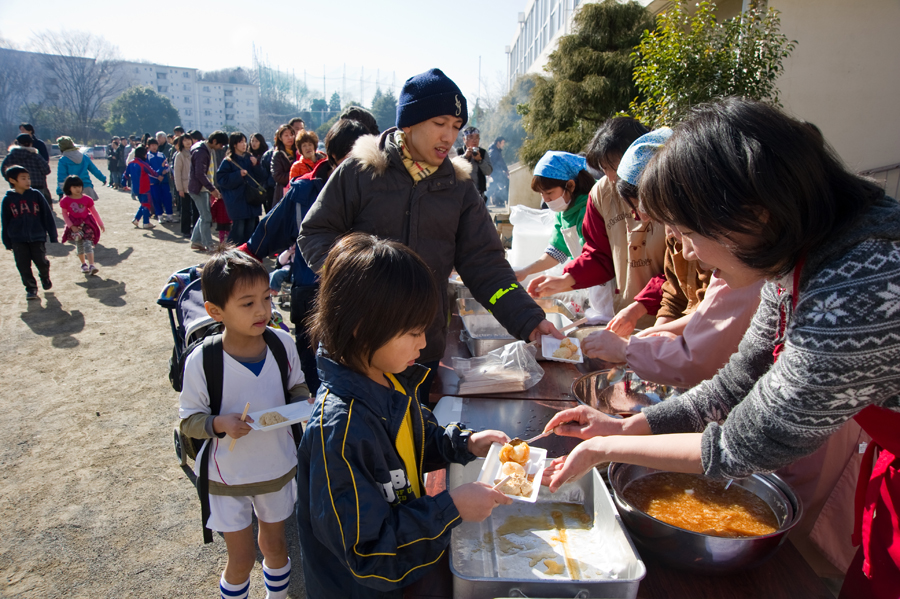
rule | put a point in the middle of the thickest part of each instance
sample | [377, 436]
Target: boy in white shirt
[258, 474]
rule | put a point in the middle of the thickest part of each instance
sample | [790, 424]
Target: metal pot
[695, 551]
[619, 391]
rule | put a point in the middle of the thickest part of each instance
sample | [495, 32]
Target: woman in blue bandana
[563, 183]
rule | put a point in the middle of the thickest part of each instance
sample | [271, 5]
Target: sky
[384, 39]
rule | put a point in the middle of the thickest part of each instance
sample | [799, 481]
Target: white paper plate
[490, 471]
[295, 413]
[550, 344]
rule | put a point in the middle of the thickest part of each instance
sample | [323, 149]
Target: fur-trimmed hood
[13, 148]
[375, 152]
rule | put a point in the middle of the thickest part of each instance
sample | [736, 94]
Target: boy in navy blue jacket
[366, 525]
[26, 221]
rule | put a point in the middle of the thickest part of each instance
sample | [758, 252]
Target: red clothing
[594, 266]
[651, 294]
[80, 213]
[218, 212]
[875, 571]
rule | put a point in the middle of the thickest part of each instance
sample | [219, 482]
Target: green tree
[322, 129]
[335, 103]
[141, 109]
[384, 108]
[690, 59]
[591, 79]
[505, 121]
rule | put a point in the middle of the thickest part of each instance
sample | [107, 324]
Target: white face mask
[559, 204]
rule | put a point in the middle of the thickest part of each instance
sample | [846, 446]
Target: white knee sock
[234, 591]
[277, 580]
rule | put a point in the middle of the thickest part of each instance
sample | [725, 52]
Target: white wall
[844, 75]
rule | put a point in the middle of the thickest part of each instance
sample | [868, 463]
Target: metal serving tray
[492, 558]
[482, 333]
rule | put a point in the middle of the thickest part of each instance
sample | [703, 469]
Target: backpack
[214, 369]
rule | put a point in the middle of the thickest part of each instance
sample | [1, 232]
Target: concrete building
[841, 76]
[203, 105]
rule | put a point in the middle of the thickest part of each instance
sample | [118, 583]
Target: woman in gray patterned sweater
[759, 196]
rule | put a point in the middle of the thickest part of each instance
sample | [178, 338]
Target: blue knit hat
[560, 165]
[639, 154]
[428, 95]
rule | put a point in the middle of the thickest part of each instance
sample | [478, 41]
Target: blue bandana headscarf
[560, 165]
[639, 154]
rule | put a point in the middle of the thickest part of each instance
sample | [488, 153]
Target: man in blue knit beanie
[406, 185]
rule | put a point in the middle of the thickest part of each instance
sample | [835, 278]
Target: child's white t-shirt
[260, 455]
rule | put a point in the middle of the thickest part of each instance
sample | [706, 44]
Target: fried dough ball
[513, 468]
[515, 451]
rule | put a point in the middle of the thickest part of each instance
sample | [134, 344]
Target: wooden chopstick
[243, 417]
[502, 481]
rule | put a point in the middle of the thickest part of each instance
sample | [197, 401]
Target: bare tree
[86, 71]
[16, 80]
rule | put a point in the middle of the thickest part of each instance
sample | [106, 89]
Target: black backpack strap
[277, 348]
[214, 369]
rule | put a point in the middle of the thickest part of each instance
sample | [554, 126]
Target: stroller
[183, 299]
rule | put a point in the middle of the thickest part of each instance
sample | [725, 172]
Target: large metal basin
[698, 552]
[619, 391]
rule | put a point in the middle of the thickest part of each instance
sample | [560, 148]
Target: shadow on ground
[48, 319]
[108, 291]
[111, 256]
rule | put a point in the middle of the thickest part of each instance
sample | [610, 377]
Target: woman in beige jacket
[182, 176]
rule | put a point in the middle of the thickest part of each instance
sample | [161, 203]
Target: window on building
[186, 87]
[187, 99]
[206, 100]
[207, 113]
[229, 92]
[229, 104]
[162, 89]
[206, 88]
[188, 112]
[186, 75]
[229, 117]
[137, 69]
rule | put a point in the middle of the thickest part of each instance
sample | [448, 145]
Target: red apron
[875, 570]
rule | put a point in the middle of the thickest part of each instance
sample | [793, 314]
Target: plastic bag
[531, 234]
[510, 368]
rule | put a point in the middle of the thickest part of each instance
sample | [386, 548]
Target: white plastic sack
[510, 368]
[532, 230]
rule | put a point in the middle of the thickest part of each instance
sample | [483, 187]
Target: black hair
[233, 140]
[580, 185]
[141, 152]
[181, 140]
[225, 270]
[24, 140]
[372, 290]
[340, 139]
[28, 127]
[13, 172]
[499, 139]
[218, 137]
[294, 120]
[263, 146]
[196, 135]
[611, 140]
[742, 166]
[152, 140]
[178, 130]
[363, 116]
[70, 182]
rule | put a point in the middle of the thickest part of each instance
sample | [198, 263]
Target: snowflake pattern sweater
[841, 354]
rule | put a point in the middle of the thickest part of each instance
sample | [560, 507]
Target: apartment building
[203, 105]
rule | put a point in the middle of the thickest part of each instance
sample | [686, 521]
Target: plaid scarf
[417, 170]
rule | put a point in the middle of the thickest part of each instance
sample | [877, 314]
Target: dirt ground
[93, 502]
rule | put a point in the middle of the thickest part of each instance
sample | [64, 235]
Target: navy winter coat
[230, 182]
[364, 533]
[26, 218]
